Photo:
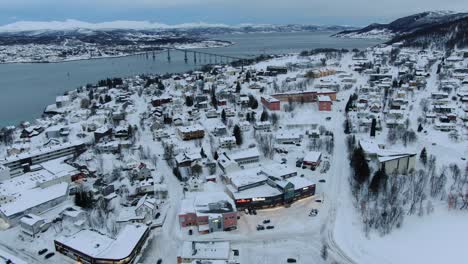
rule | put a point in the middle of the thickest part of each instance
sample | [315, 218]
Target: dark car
[318, 201]
[322, 180]
[260, 227]
[190, 232]
[157, 215]
[49, 255]
[254, 212]
[328, 118]
[267, 221]
[291, 260]
[270, 227]
[42, 251]
[159, 261]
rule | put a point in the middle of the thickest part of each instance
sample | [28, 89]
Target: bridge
[199, 56]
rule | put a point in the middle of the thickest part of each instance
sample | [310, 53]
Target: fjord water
[27, 88]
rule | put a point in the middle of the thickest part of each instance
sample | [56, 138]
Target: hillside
[449, 35]
[405, 25]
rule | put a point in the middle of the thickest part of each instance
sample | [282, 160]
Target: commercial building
[324, 103]
[304, 96]
[312, 159]
[36, 201]
[268, 186]
[209, 211]
[271, 103]
[32, 224]
[191, 132]
[207, 252]
[91, 247]
[21, 162]
[391, 160]
[238, 158]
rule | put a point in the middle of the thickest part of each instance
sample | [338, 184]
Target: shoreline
[160, 49]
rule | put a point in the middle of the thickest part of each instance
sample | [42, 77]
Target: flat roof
[97, 245]
[260, 191]
[206, 250]
[33, 198]
[246, 177]
[40, 151]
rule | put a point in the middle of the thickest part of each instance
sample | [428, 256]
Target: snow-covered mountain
[405, 25]
[73, 25]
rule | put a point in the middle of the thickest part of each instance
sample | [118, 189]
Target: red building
[324, 102]
[158, 101]
[210, 212]
[271, 103]
[305, 96]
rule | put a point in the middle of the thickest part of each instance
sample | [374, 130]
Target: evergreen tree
[264, 116]
[91, 95]
[420, 127]
[188, 101]
[423, 156]
[202, 153]
[346, 127]
[214, 101]
[253, 103]
[223, 116]
[238, 88]
[360, 166]
[379, 179]
[372, 129]
[130, 131]
[348, 104]
[238, 135]
[247, 76]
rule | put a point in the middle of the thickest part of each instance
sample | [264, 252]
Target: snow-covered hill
[404, 25]
[71, 25]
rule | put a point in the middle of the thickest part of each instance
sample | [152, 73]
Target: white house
[32, 224]
[227, 142]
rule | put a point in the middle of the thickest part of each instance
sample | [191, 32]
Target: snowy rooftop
[31, 219]
[263, 190]
[243, 154]
[313, 156]
[97, 245]
[39, 151]
[200, 203]
[205, 250]
[33, 198]
[246, 177]
[324, 98]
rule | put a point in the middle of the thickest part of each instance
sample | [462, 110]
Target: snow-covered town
[295, 158]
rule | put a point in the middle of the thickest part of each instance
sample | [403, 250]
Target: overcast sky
[343, 12]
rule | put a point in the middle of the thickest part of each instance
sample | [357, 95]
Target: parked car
[190, 232]
[313, 212]
[328, 118]
[260, 227]
[159, 261]
[157, 215]
[42, 251]
[318, 201]
[266, 221]
[49, 255]
[291, 260]
[254, 211]
[246, 211]
[322, 181]
[270, 227]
